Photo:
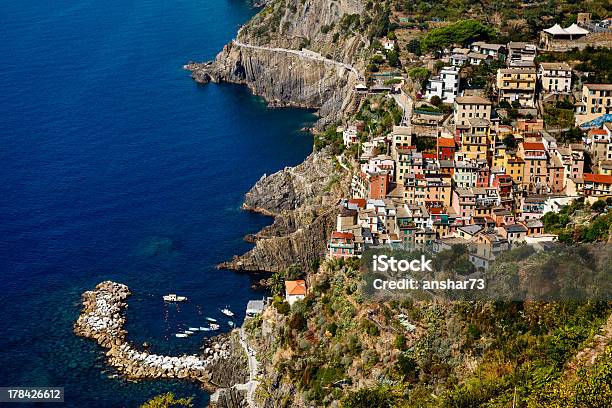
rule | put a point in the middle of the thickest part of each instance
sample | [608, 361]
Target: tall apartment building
[535, 171]
[475, 140]
[517, 84]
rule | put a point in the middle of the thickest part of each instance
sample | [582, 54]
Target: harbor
[221, 361]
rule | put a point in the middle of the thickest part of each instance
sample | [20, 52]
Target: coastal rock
[292, 187]
[285, 56]
[303, 200]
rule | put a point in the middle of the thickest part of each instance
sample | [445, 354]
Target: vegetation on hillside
[579, 222]
[168, 400]
[451, 354]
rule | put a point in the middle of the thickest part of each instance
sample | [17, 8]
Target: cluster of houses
[471, 189]
[522, 80]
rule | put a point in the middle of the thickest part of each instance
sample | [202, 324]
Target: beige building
[517, 84]
[555, 77]
[468, 107]
[596, 101]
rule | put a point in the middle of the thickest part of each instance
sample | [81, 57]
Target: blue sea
[115, 165]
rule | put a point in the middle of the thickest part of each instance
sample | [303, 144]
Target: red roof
[297, 287]
[533, 146]
[598, 132]
[343, 235]
[597, 178]
[429, 155]
[360, 202]
[446, 142]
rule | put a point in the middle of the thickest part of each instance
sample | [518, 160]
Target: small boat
[227, 312]
[188, 332]
[210, 319]
[194, 329]
[181, 335]
[214, 326]
[230, 323]
[173, 297]
[204, 328]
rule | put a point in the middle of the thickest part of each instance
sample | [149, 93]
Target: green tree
[168, 400]
[368, 398]
[599, 206]
[461, 32]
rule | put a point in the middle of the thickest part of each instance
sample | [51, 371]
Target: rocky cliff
[293, 54]
[303, 201]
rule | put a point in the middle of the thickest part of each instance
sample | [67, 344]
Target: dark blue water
[115, 165]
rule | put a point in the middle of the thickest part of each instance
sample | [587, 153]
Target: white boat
[204, 328]
[230, 323]
[214, 326]
[210, 319]
[173, 297]
[227, 312]
[194, 329]
[188, 332]
[181, 335]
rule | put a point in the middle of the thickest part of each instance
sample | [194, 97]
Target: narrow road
[252, 384]
[405, 102]
[302, 54]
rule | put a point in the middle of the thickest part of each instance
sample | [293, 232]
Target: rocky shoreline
[302, 200]
[102, 319]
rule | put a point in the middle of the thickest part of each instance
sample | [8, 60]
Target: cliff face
[292, 187]
[303, 200]
[292, 54]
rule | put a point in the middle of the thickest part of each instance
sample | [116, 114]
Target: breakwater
[102, 319]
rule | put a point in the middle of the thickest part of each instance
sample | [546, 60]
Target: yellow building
[475, 141]
[596, 101]
[517, 84]
[513, 166]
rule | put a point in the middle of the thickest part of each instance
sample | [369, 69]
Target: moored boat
[181, 335]
[227, 312]
[173, 297]
[210, 319]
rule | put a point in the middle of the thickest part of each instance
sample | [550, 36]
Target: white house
[555, 77]
[295, 290]
[445, 86]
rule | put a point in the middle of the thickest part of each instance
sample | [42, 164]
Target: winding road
[304, 53]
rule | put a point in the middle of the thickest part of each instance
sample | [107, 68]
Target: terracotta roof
[597, 178]
[296, 287]
[598, 132]
[446, 142]
[533, 146]
[343, 235]
[360, 202]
